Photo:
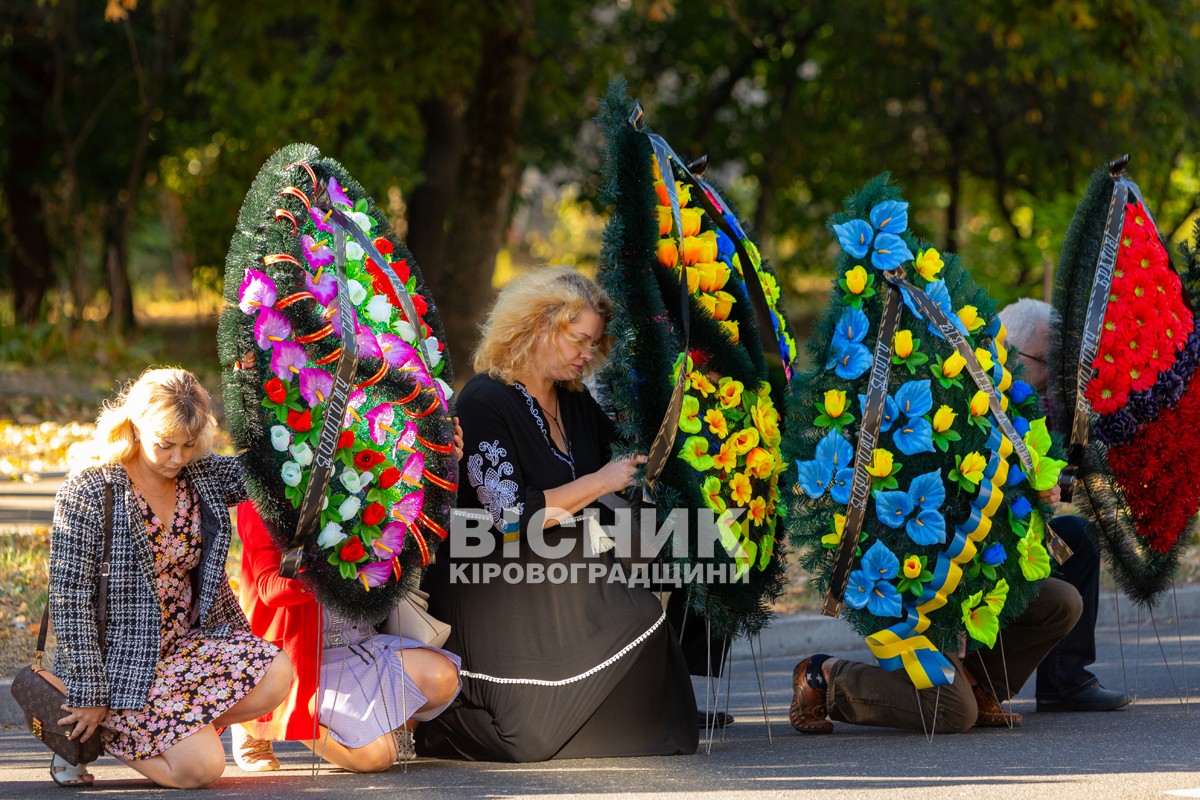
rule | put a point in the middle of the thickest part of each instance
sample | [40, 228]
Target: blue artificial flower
[890, 216]
[814, 476]
[855, 237]
[889, 411]
[892, 508]
[1015, 475]
[914, 398]
[880, 563]
[995, 554]
[1022, 426]
[849, 360]
[890, 252]
[913, 436]
[851, 326]
[1020, 508]
[884, 600]
[927, 527]
[1019, 391]
[834, 450]
[858, 589]
[839, 490]
[725, 247]
[927, 492]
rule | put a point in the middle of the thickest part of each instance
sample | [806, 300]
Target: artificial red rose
[373, 514]
[381, 283]
[388, 478]
[367, 459]
[401, 269]
[420, 305]
[300, 422]
[352, 550]
[276, 391]
[346, 439]
[383, 245]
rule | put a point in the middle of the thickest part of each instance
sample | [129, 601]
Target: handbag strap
[101, 589]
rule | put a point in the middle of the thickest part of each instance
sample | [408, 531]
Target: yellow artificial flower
[666, 221]
[953, 365]
[943, 419]
[705, 301]
[835, 403]
[770, 288]
[691, 220]
[984, 358]
[970, 318]
[856, 280]
[766, 419]
[700, 382]
[730, 392]
[716, 422]
[739, 489]
[979, 404]
[972, 466]
[759, 463]
[730, 328]
[839, 528]
[912, 567]
[713, 275]
[903, 343]
[928, 263]
[726, 458]
[758, 511]
[881, 463]
[711, 491]
[668, 253]
[689, 415]
[745, 440]
[724, 304]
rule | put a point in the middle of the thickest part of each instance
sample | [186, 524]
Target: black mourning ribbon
[873, 417]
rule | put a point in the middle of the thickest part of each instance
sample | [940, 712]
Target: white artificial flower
[431, 348]
[350, 479]
[379, 309]
[357, 292]
[362, 219]
[330, 535]
[447, 391]
[349, 508]
[354, 251]
[290, 472]
[302, 453]
[405, 330]
[281, 437]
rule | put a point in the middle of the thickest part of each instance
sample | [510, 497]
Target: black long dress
[550, 670]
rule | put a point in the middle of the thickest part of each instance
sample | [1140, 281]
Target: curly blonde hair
[536, 305]
[163, 401]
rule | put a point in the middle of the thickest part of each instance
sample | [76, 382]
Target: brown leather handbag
[41, 694]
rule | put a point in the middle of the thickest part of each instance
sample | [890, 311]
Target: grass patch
[23, 576]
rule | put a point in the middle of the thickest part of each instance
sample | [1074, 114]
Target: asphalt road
[1150, 749]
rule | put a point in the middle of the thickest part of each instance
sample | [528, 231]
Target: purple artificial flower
[271, 326]
[368, 345]
[377, 573]
[257, 291]
[379, 422]
[315, 385]
[391, 539]
[324, 287]
[337, 195]
[317, 253]
[286, 359]
[356, 399]
[320, 219]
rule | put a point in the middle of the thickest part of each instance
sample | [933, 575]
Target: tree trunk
[429, 204]
[27, 243]
[486, 179]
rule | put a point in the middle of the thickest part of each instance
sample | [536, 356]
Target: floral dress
[197, 678]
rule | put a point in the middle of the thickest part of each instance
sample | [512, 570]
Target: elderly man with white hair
[1063, 680]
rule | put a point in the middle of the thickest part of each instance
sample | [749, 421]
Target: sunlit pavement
[1149, 749]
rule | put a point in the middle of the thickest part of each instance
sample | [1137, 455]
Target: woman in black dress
[571, 669]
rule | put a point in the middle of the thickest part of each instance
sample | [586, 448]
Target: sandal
[69, 777]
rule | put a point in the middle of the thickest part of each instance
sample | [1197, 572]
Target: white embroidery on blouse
[568, 459]
[493, 487]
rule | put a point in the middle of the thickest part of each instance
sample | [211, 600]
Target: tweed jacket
[121, 678]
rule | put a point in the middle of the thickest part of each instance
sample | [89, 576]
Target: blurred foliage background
[130, 130]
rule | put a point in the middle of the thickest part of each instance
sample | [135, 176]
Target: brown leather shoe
[808, 713]
[991, 713]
